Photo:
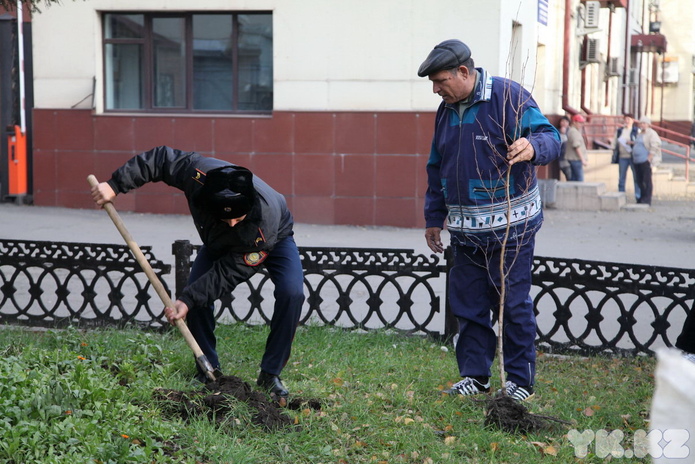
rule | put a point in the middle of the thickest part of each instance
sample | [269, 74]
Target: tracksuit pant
[474, 293]
[285, 270]
[644, 179]
[686, 340]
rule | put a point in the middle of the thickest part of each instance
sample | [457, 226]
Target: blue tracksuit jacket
[467, 167]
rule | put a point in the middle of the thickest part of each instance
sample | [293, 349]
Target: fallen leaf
[449, 440]
[544, 448]
[588, 412]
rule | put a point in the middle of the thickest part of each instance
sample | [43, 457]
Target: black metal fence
[57, 284]
[585, 307]
[353, 288]
[592, 307]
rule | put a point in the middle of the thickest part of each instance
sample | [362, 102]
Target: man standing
[242, 223]
[622, 151]
[646, 153]
[576, 148]
[489, 136]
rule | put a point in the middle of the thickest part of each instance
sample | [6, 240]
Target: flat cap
[449, 54]
[645, 120]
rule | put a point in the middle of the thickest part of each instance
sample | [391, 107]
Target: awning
[615, 3]
[648, 43]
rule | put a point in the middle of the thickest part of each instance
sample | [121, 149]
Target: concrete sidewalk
[663, 235]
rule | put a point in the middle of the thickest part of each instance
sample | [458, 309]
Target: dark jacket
[269, 222]
[616, 148]
[467, 166]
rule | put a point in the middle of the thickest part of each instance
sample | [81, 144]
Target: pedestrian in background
[486, 126]
[646, 154]
[576, 148]
[565, 167]
[622, 153]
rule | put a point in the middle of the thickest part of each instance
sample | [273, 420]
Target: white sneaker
[516, 392]
[468, 387]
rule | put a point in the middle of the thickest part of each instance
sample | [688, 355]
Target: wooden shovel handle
[154, 280]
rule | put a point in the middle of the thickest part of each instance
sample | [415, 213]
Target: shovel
[200, 357]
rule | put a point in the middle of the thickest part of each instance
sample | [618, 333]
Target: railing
[57, 284]
[354, 288]
[585, 307]
[674, 136]
[599, 131]
[685, 157]
[592, 307]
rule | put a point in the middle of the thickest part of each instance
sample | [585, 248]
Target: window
[207, 62]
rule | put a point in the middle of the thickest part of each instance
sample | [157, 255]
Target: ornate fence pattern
[584, 307]
[353, 288]
[592, 307]
[56, 284]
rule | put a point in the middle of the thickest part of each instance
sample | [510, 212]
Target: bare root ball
[509, 415]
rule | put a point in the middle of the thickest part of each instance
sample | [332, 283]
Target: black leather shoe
[272, 384]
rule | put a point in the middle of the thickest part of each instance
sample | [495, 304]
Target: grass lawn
[76, 396]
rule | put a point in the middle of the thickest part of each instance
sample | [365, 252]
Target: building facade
[320, 99]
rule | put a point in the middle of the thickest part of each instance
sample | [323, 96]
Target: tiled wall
[334, 168]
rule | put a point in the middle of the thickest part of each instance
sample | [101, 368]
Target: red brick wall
[361, 168]
[334, 168]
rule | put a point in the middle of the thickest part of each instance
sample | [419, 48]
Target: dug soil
[216, 401]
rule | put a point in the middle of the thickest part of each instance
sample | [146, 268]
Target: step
[612, 201]
[635, 207]
[579, 195]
